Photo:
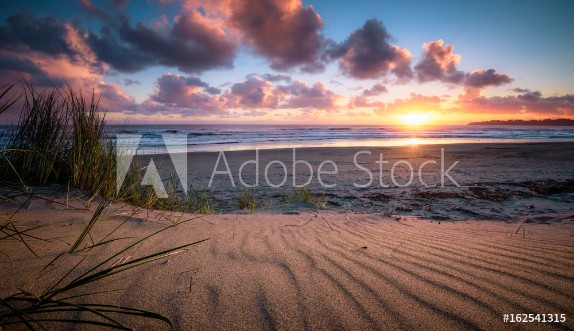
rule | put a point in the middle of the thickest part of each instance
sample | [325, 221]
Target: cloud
[276, 78]
[254, 96]
[113, 99]
[48, 52]
[257, 92]
[478, 80]
[415, 103]
[192, 45]
[375, 90]
[177, 94]
[531, 96]
[439, 64]
[482, 78]
[212, 90]
[316, 96]
[283, 31]
[93, 10]
[13, 69]
[367, 53]
[23, 32]
[180, 91]
[531, 102]
[254, 92]
[129, 82]
[46, 41]
[361, 101]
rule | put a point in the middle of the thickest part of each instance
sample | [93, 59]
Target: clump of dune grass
[37, 148]
[247, 200]
[71, 299]
[305, 195]
[61, 138]
[193, 201]
[90, 147]
[300, 194]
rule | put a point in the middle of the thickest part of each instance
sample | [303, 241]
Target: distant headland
[545, 122]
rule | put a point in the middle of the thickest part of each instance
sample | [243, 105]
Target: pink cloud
[315, 96]
[530, 102]
[284, 31]
[415, 102]
[254, 92]
[439, 63]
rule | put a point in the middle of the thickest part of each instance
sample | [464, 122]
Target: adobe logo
[126, 149]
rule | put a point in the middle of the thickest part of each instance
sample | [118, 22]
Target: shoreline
[376, 144]
[462, 144]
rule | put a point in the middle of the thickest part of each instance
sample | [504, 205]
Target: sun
[415, 118]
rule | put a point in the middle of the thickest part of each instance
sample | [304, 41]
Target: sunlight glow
[414, 141]
[415, 118]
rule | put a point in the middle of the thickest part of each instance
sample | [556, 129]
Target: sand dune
[329, 270]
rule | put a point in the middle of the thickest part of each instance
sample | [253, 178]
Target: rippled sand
[322, 270]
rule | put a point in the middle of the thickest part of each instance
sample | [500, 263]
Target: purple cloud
[367, 53]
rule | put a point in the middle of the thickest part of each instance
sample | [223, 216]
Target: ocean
[204, 138]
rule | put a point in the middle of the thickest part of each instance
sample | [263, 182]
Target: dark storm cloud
[367, 53]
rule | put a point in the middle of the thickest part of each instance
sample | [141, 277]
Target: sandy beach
[357, 265]
[286, 165]
[495, 180]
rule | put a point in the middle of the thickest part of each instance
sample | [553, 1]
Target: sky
[298, 62]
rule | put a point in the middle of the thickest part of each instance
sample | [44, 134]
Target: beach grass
[247, 200]
[72, 293]
[60, 138]
[305, 195]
